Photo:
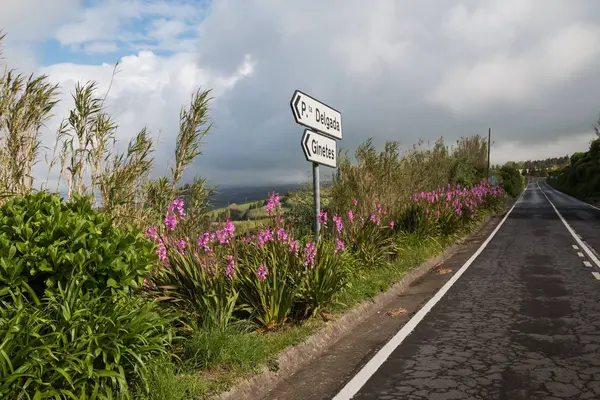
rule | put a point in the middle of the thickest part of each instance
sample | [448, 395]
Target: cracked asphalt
[523, 322]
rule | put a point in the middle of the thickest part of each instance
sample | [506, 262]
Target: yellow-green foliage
[581, 178]
[389, 176]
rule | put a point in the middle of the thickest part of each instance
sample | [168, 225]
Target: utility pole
[489, 147]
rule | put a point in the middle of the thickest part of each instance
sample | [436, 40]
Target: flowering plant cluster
[462, 201]
[368, 238]
[445, 211]
[270, 275]
[219, 275]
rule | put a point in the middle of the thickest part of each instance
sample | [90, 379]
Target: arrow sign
[311, 113]
[319, 149]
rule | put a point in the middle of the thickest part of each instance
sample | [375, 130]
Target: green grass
[243, 207]
[214, 361]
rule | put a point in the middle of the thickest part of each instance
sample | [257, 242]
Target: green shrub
[301, 212]
[79, 343]
[449, 222]
[43, 241]
[327, 279]
[580, 178]
[415, 220]
[199, 285]
[368, 240]
[269, 279]
[512, 181]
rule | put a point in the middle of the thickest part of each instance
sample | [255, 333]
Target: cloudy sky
[397, 70]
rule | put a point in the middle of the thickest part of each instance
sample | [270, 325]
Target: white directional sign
[319, 149]
[313, 114]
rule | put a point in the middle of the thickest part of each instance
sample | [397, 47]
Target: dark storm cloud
[395, 72]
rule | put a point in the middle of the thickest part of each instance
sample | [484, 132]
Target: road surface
[521, 321]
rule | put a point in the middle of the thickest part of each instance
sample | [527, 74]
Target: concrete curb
[295, 357]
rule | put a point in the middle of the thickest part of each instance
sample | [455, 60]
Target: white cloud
[126, 20]
[503, 78]
[33, 20]
[167, 29]
[147, 90]
[100, 47]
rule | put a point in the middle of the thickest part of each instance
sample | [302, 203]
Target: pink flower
[338, 223]
[323, 218]
[350, 216]
[273, 203]
[294, 247]
[230, 267]
[204, 240]
[177, 205]
[392, 223]
[182, 244]
[375, 219]
[161, 251]
[229, 228]
[339, 246]
[355, 202]
[264, 236]
[151, 233]
[225, 234]
[310, 252]
[262, 272]
[170, 221]
[282, 235]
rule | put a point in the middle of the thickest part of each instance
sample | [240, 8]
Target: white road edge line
[596, 275]
[587, 264]
[573, 198]
[590, 254]
[369, 369]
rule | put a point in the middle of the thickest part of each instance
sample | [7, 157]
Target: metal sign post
[316, 197]
[317, 148]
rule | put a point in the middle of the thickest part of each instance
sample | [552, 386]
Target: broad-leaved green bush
[44, 240]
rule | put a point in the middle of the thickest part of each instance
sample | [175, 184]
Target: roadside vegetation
[132, 288]
[540, 168]
[512, 180]
[581, 177]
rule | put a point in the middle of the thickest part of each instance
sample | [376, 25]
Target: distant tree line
[540, 167]
[581, 176]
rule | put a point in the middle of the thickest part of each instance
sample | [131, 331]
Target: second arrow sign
[319, 149]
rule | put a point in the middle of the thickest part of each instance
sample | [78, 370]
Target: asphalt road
[521, 322]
